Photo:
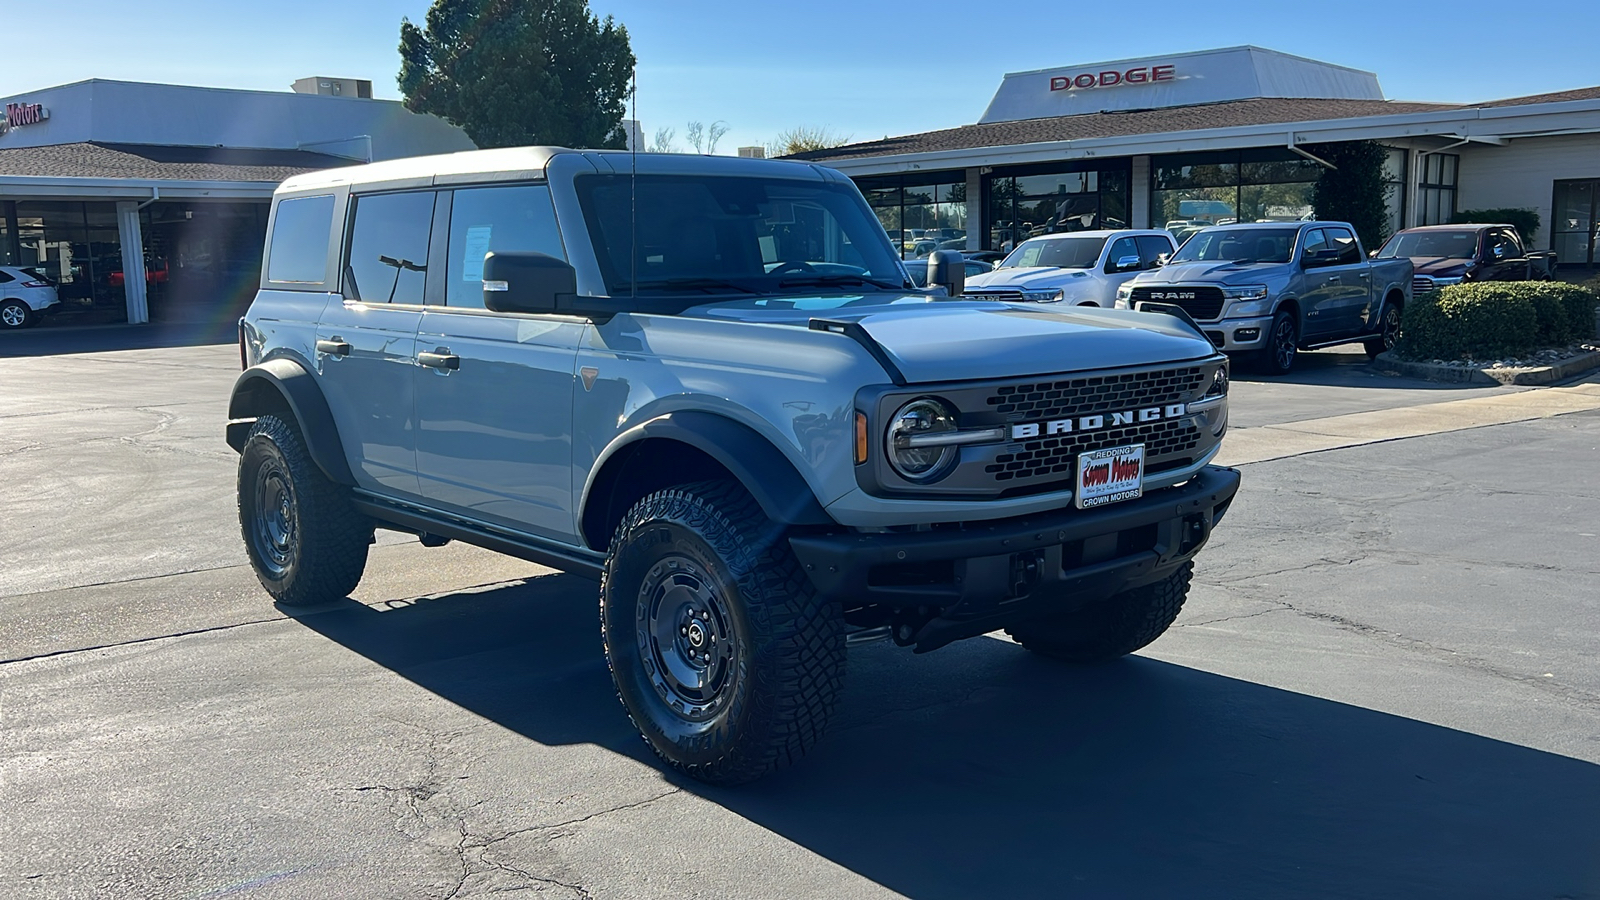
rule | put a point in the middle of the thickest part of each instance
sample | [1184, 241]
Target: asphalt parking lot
[1383, 685]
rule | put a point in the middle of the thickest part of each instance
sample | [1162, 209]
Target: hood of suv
[950, 340]
[1213, 271]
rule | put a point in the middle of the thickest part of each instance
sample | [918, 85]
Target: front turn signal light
[861, 437]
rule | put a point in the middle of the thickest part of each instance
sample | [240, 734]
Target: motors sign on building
[20, 114]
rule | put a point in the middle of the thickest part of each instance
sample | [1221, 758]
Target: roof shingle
[157, 162]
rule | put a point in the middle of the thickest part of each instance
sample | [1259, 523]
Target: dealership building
[150, 200]
[1221, 136]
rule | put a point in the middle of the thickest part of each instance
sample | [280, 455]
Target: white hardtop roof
[528, 163]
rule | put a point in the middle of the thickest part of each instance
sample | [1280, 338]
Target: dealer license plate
[1110, 475]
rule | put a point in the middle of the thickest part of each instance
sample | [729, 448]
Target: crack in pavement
[1280, 608]
[144, 640]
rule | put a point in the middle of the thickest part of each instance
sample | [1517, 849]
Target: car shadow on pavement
[982, 771]
[46, 341]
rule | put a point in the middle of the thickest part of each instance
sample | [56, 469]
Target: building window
[1027, 202]
[1436, 190]
[921, 213]
[1394, 178]
[1192, 190]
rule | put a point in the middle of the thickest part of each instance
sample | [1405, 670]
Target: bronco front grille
[1200, 302]
[1086, 396]
[1056, 455]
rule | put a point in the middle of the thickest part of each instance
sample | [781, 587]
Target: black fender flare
[769, 476]
[290, 380]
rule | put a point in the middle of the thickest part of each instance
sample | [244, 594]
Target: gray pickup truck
[1270, 290]
[708, 384]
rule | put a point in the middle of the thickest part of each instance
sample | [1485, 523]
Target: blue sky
[863, 69]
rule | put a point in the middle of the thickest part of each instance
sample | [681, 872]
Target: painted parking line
[1268, 442]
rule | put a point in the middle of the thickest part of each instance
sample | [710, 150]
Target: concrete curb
[1521, 376]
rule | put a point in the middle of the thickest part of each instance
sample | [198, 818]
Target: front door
[365, 345]
[494, 391]
[1576, 223]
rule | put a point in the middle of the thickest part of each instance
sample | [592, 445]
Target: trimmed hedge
[1525, 220]
[1495, 319]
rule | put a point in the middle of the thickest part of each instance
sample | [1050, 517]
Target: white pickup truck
[1083, 268]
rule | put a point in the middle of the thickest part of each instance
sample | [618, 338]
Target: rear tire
[305, 539]
[1116, 627]
[15, 315]
[722, 655]
[1388, 331]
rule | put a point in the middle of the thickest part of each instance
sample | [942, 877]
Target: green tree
[515, 72]
[1355, 191]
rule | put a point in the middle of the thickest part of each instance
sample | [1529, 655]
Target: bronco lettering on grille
[1095, 423]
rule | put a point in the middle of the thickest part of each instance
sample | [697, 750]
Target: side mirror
[1127, 264]
[1499, 251]
[1372, 254]
[527, 282]
[1161, 260]
[947, 269]
[1315, 258]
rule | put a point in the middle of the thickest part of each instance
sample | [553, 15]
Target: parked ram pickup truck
[1451, 254]
[1080, 268]
[1269, 290]
[705, 383]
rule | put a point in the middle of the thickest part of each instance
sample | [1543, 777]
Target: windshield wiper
[708, 285]
[826, 280]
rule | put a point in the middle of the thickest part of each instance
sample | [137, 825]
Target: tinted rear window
[299, 244]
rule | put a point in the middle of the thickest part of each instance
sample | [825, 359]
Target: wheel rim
[13, 316]
[1391, 328]
[1283, 348]
[686, 638]
[274, 519]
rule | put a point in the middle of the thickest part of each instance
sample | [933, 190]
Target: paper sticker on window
[472, 256]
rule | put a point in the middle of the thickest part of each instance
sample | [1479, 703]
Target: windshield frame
[735, 210]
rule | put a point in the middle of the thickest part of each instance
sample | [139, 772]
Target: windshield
[1420, 244]
[1062, 253]
[1239, 245]
[707, 234]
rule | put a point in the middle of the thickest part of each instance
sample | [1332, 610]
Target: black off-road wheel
[1119, 626]
[1283, 344]
[724, 658]
[1388, 331]
[305, 540]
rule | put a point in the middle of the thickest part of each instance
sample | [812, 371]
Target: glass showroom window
[1436, 193]
[1193, 190]
[1394, 183]
[1024, 203]
[921, 213]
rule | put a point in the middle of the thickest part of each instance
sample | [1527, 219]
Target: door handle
[1365, 275]
[1335, 279]
[334, 347]
[439, 360]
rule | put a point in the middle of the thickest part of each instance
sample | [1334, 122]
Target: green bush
[1525, 220]
[1473, 321]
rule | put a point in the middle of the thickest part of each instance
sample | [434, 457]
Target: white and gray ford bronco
[708, 384]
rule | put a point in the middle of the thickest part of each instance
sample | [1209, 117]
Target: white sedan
[24, 295]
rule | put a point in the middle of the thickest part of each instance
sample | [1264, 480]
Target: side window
[1152, 246]
[1123, 247]
[6, 277]
[519, 218]
[1504, 246]
[1314, 241]
[1345, 242]
[298, 248]
[388, 258]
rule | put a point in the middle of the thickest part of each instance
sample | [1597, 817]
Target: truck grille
[1421, 284]
[998, 296]
[1200, 302]
[1097, 394]
[1057, 455]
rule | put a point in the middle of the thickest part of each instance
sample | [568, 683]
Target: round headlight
[911, 455]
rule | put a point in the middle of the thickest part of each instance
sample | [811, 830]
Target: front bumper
[1238, 335]
[986, 575]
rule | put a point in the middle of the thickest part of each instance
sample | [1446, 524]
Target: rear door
[494, 395]
[365, 344]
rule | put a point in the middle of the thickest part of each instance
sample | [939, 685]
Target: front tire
[15, 315]
[306, 541]
[724, 658]
[1283, 344]
[1388, 332]
[1119, 626]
